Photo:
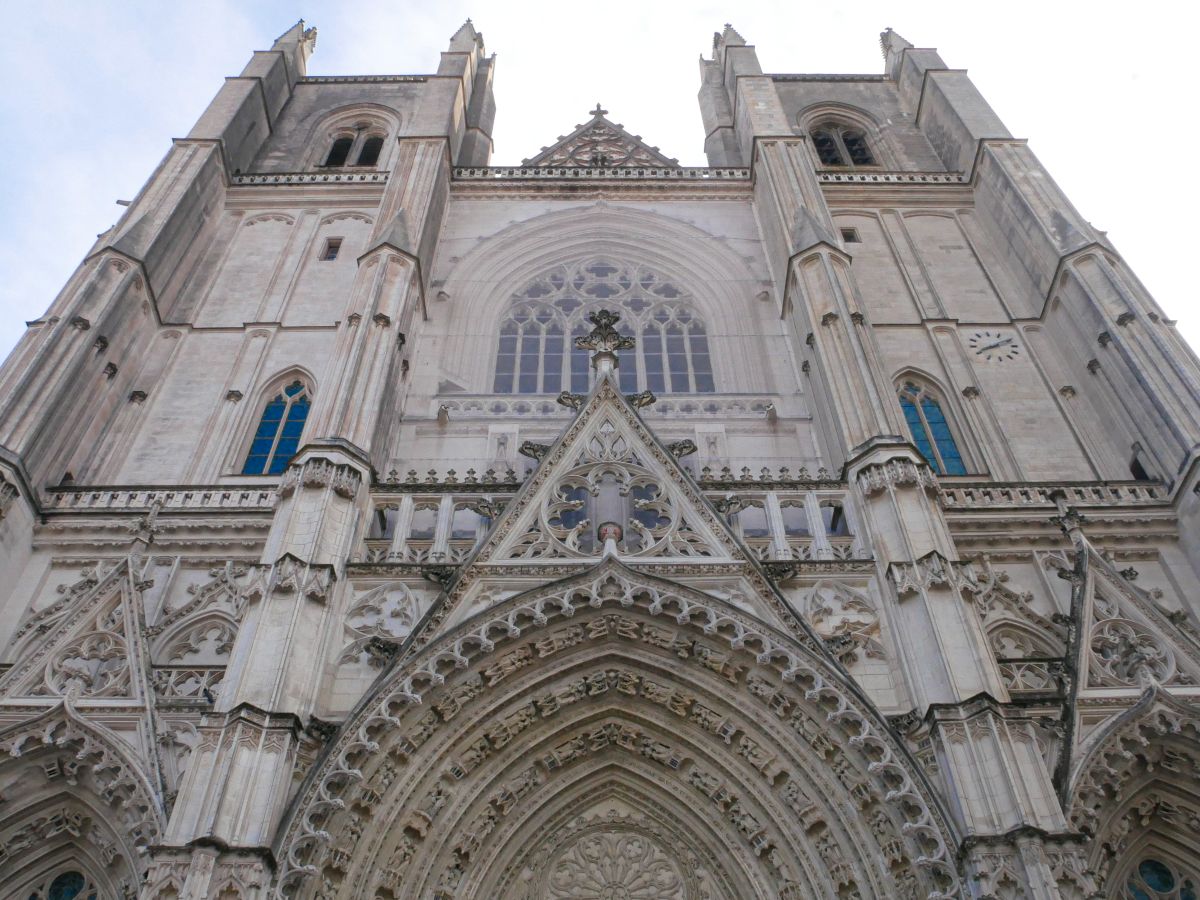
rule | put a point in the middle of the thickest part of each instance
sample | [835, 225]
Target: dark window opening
[339, 152]
[369, 154]
[827, 149]
[850, 236]
[1138, 471]
[332, 246]
[838, 146]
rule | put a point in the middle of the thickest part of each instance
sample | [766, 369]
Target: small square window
[332, 246]
[850, 236]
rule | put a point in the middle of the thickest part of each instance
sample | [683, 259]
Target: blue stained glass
[1187, 893]
[1136, 892]
[917, 427]
[66, 886]
[299, 410]
[293, 427]
[274, 411]
[293, 389]
[1156, 875]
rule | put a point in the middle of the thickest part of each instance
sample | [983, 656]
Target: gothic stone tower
[380, 524]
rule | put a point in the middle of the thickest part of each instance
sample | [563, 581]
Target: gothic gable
[599, 142]
[608, 467]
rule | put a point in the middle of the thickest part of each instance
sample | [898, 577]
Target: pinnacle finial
[598, 111]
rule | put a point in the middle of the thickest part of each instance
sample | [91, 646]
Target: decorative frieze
[316, 472]
[894, 474]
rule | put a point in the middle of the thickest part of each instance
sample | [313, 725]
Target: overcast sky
[95, 91]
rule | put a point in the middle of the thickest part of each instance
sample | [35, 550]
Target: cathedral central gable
[600, 143]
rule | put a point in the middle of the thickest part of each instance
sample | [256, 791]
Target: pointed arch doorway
[615, 735]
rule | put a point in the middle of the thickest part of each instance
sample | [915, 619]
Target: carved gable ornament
[608, 476]
[599, 143]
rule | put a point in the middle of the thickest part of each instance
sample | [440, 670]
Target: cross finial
[598, 111]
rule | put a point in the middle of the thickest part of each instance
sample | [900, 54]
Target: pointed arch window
[536, 353]
[839, 145]
[930, 430]
[279, 429]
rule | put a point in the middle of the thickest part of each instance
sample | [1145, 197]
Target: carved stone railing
[494, 476]
[1033, 675]
[838, 176]
[782, 478]
[200, 684]
[1023, 496]
[204, 498]
[341, 176]
[606, 173]
[363, 79]
[414, 552]
[737, 406]
[802, 76]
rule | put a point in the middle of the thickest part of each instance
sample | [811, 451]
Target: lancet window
[837, 145]
[279, 429]
[537, 353]
[930, 430]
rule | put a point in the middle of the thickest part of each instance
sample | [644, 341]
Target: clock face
[992, 345]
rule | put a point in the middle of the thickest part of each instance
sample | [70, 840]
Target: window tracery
[279, 429]
[536, 353]
[930, 429]
[69, 885]
[840, 145]
[1155, 879]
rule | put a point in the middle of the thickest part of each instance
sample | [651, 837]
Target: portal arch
[604, 684]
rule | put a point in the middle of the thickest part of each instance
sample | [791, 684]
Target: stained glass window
[66, 886]
[1154, 879]
[930, 430]
[279, 431]
[536, 352]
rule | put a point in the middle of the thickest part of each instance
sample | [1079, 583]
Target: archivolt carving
[808, 724]
[1156, 741]
[87, 757]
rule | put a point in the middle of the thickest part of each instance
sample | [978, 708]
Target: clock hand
[995, 345]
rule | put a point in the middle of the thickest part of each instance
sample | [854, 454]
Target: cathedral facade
[378, 523]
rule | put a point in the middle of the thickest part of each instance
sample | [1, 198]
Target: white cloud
[101, 88]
